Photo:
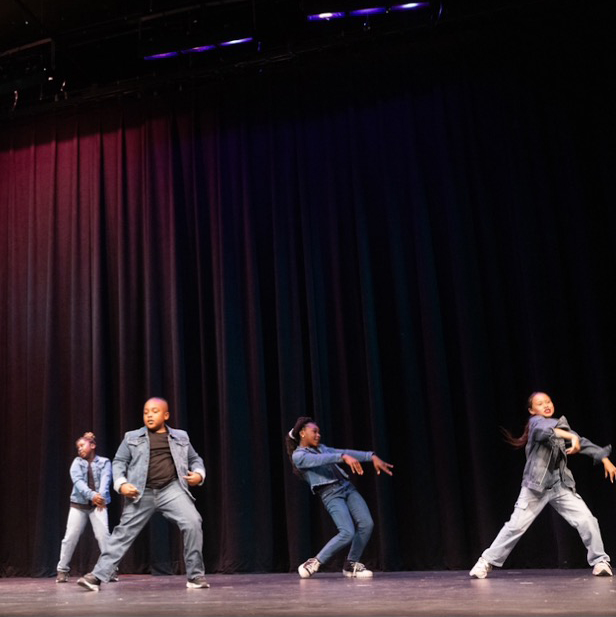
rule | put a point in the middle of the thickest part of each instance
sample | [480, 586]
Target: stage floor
[505, 592]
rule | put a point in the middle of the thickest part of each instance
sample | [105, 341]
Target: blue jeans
[175, 505]
[75, 525]
[352, 518]
[528, 506]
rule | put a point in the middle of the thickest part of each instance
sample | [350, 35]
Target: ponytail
[516, 442]
[522, 440]
[292, 439]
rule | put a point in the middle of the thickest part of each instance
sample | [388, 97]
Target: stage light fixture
[199, 49]
[167, 54]
[409, 6]
[247, 39]
[326, 16]
[368, 11]
[325, 10]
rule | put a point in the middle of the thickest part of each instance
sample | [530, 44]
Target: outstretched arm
[379, 465]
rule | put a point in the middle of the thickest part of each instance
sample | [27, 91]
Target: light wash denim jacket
[315, 464]
[543, 446]
[101, 470]
[132, 459]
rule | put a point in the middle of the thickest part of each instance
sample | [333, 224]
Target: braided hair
[292, 439]
[89, 436]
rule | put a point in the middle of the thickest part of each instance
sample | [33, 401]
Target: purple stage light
[369, 11]
[168, 54]
[408, 6]
[326, 16]
[248, 39]
[197, 50]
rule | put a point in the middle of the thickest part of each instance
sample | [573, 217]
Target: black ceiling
[53, 49]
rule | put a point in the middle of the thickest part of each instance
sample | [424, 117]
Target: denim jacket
[544, 446]
[315, 464]
[132, 460]
[101, 470]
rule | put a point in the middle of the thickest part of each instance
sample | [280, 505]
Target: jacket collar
[144, 431]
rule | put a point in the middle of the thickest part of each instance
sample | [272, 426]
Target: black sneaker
[354, 569]
[89, 582]
[198, 582]
[62, 577]
[114, 577]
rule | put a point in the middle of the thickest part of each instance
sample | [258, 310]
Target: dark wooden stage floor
[506, 592]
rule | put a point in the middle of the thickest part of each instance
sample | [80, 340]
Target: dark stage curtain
[402, 241]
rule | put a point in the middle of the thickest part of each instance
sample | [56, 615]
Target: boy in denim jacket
[154, 468]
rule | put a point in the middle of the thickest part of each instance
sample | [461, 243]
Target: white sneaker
[308, 568]
[481, 568]
[354, 569]
[602, 568]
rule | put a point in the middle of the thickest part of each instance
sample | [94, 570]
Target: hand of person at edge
[193, 478]
[610, 469]
[129, 490]
[99, 501]
[381, 465]
[575, 446]
[353, 463]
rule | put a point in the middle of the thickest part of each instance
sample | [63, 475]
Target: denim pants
[352, 518]
[528, 506]
[75, 525]
[175, 505]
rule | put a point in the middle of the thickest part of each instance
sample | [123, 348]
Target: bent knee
[366, 525]
[346, 535]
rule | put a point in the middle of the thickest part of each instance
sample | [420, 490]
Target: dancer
[154, 468]
[91, 476]
[547, 479]
[318, 465]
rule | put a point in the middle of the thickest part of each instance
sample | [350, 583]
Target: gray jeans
[175, 506]
[528, 506]
[77, 520]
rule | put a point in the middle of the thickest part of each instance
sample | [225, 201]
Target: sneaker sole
[354, 575]
[197, 585]
[88, 586]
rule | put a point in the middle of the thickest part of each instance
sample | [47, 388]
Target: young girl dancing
[318, 465]
[91, 475]
[547, 479]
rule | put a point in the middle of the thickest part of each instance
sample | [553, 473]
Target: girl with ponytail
[319, 466]
[548, 442]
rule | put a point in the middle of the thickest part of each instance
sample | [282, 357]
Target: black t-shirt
[161, 470]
